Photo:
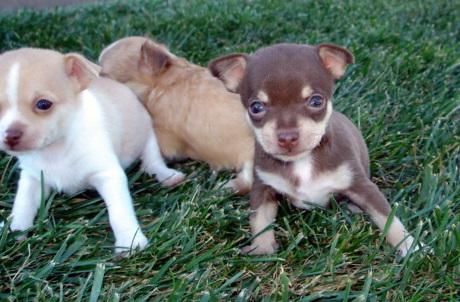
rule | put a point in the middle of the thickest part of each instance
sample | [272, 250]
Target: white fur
[27, 201]
[397, 234]
[86, 147]
[313, 188]
[244, 179]
[261, 218]
[247, 172]
[153, 164]
[12, 88]
[12, 83]
[12, 115]
[83, 158]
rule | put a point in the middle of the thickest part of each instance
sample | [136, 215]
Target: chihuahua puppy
[304, 149]
[60, 120]
[194, 115]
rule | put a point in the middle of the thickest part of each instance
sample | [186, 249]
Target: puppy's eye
[43, 104]
[257, 108]
[315, 101]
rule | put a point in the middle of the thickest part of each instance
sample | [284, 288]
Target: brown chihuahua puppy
[194, 116]
[304, 149]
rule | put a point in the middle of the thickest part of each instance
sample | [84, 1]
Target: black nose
[12, 137]
[288, 138]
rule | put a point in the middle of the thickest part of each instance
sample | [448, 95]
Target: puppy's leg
[27, 202]
[368, 197]
[264, 207]
[112, 185]
[241, 184]
[153, 163]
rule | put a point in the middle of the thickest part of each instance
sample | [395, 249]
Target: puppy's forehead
[40, 64]
[283, 71]
[38, 71]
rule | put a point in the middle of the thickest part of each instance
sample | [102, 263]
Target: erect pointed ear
[80, 70]
[153, 59]
[229, 69]
[335, 58]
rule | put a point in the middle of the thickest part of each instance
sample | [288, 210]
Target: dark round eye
[43, 104]
[257, 108]
[315, 101]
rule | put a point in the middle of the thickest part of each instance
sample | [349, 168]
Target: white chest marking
[12, 83]
[312, 188]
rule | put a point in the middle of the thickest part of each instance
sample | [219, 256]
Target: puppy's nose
[12, 137]
[288, 138]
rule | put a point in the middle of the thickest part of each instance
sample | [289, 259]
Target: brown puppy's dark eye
[257, 108]
[315, 101]
[43, 104]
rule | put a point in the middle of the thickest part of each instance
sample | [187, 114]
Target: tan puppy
[78, 131]
[194, 115]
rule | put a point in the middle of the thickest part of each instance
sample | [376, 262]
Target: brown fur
[194, 115]
[338, 157]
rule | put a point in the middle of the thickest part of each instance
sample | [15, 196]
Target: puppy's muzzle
[12, 137]
[288, 139]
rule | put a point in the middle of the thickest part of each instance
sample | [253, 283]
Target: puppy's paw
[171, 178]
[129, 243]
[302, 205]
[260, 249]
[410, 246]
[353, 208]
[238, 186]
[18, 225]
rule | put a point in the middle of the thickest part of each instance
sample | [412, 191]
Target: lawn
[403, 93]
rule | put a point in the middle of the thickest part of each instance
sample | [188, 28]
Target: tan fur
[310, 131]
[263, 96]
[194, 115]
[306, 91]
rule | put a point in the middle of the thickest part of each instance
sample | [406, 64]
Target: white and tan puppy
[58, 118]
[194, 115]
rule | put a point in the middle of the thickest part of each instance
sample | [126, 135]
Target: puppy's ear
[80, 70]
[229, 69]
[335, 58]
[153, 59]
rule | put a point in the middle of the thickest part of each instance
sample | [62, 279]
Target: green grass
[403, 92]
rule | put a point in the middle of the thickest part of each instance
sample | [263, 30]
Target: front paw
[19, 226]
[404, 248]
[238, 186]
[260, 248]
[302, 205]
[171, 178]
[128, 243]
